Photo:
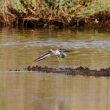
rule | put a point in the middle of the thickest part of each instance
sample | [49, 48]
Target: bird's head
[51, 50]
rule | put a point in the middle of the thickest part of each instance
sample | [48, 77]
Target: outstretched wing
[43, 56]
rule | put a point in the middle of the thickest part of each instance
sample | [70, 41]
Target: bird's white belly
[57, 52]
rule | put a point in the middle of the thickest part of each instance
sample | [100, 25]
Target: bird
[59, 53]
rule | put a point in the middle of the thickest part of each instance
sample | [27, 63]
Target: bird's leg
[59, 60]
[63, 62]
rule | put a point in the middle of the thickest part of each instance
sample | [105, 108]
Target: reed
[49, 12]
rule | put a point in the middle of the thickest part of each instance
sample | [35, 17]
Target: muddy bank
[70, 71]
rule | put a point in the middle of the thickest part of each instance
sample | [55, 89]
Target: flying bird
[59, 53]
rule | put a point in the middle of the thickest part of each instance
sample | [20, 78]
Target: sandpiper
[59, 53]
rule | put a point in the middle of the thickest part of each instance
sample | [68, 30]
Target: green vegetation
[51, 11]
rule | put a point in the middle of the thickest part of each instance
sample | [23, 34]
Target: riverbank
[60, 14]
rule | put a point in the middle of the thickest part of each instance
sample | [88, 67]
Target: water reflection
[33, 91]
[10, 34]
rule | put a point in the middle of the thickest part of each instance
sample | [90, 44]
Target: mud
[84, 71]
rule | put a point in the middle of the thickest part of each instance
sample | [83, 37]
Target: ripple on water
[71, 44]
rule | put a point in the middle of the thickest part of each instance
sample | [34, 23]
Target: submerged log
[71, 71]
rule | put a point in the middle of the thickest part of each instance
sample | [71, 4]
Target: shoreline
[61, 14]
[100, 22]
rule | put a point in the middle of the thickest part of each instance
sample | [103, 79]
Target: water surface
[21, 47]
[38, 91]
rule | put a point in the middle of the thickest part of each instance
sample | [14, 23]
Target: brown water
[33, 91]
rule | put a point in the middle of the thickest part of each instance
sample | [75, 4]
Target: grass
[51, 10]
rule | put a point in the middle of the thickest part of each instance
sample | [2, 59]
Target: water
[34, 91]
[18, 48]
[37, 91]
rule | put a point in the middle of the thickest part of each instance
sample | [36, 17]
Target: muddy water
[33, 91]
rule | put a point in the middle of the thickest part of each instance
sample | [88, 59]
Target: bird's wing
[43, 56]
